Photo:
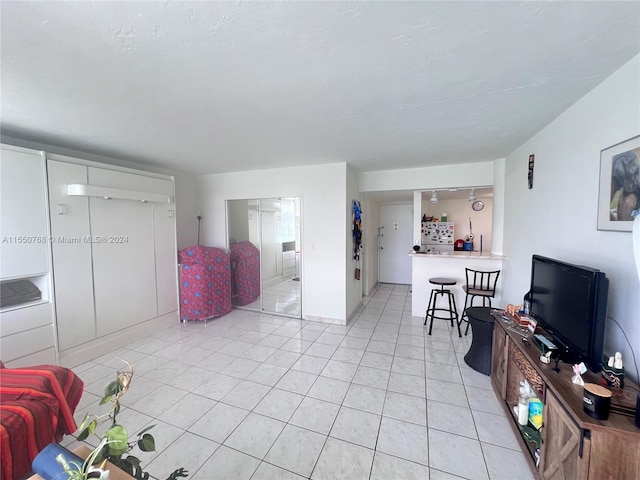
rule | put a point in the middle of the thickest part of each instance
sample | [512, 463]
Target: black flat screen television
[570, 304]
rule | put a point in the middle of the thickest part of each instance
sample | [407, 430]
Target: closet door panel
[71, 247]
[23, 221]
[123, 254]
[165, 249]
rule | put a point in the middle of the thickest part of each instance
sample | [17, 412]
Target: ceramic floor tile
[440, 475]
[445, 392]
[217, 386]
[446, 373]
[296, 381]
[377, 360]
[259, 353]
[279, 404]
[321, 350]
[408, 366]
[316, 415]
[216, 361]
[266, 471]
[255, 435]
[227, 464]
[377, 346]
[468, 461]
[413, 340]
[495, 429]
[160, 400]
[187, 411]
[356, 426]
[484, 400]
[410, 351]
[355, 343]
[506, 463]
[405, 407]
[246, 395]
[267, 374]
[200, 449]
[218, 423]
[339, 370]
[451, 418]
[330, 339]
[348, 355]
[329, 389]
[386, 467]
[189, 379]
[163, 434]
[273, 341]
[310, 364]
[283, 358]
[472, 378]
[371, 377]
[240, 368]
[405, 440]
[364, 398]
[296, 450]
[341, 460]
[408, 384]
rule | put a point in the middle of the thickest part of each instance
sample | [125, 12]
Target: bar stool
[480, 284]
[451, 312]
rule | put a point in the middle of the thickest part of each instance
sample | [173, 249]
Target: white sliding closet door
[166, 249]
[73, 275]
[124, 257]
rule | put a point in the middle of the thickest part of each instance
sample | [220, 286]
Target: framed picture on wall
[619, 196]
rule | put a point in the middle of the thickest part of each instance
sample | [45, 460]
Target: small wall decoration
[619, 196]
[530, 171]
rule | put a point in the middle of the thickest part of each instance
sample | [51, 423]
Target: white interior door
[396, 231]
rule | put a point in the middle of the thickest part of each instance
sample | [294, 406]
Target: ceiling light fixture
[472, 196]
[434, 198]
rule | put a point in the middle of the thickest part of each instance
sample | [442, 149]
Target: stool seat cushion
[442, 281]
[477, 291]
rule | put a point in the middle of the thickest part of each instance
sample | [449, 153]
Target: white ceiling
[207, 87]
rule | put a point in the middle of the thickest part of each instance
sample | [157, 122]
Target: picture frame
[530, 171]
[619, 192]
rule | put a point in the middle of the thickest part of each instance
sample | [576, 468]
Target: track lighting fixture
[472, 196]
[434, 197]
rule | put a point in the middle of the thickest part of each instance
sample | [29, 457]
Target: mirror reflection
[264, 242]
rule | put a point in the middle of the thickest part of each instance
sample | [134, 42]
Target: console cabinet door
[561, 444]
[499, 354]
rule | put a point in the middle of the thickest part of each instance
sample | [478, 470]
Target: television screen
[570, 303]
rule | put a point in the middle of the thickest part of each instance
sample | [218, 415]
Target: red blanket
[36, 408]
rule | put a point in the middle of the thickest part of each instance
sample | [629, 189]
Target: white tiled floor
[255, 396]
[282, 298]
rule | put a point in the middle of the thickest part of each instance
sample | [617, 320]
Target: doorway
[395, 241]
[263, 236]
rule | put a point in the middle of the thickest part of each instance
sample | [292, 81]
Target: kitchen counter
[475, 255]
[450, 265]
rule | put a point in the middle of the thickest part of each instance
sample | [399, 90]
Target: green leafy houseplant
[115, 444]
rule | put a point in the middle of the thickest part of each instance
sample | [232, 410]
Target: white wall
[354, 287]
[557, 218]
[322, 190]
[464, 175]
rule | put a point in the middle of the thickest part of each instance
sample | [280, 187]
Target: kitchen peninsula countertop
[474, 255]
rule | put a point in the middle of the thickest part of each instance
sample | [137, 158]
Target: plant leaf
[118, 437]
[83, 425]
[147, 443]
[133, 460]
[84, 434]
[111, 389]
[106, 399]
[92, 427]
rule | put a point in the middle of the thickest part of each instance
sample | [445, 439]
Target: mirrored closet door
[264, 241]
